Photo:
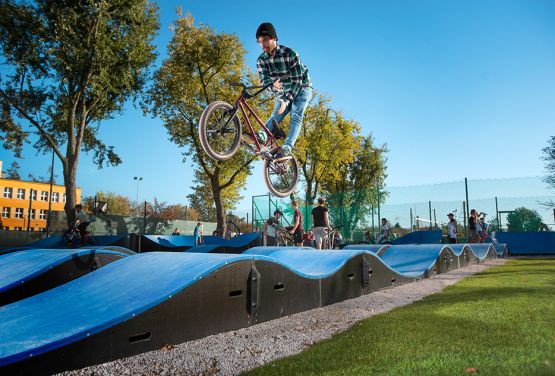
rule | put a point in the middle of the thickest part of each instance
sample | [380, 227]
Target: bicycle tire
[287, 171]
[211, 144]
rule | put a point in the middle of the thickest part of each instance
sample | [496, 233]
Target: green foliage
[549, 158]
[356, 191]
[198, 70]
[328, 141]
[71, 64]
[13, 171]
[523, 219]
[499, 322]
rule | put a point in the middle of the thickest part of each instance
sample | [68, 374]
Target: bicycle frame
[241, 104]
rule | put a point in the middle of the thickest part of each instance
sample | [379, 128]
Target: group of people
[320, 225]
[477, 226]
[197, 234]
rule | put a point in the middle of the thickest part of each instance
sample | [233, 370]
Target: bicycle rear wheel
[219, 131]
[281, 177]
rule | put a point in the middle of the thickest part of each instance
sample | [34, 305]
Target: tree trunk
[220, 210]
[70, 173]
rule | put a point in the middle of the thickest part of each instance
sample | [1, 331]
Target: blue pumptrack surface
[55, 318]
[215, 242]
[420, 237]
[21, 266]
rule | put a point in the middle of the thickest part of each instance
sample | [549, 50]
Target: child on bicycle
[81, 220]
[293, 91]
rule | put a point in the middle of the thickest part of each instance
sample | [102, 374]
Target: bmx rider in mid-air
[292, 85]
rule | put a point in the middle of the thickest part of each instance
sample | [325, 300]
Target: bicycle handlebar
[261, 87]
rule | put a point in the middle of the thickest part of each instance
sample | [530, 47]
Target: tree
[328, 141]
[117, 204]
[198, 70]
[352, 196]
[71, 65]
[523, 219]
[549, 158]
[13, 171]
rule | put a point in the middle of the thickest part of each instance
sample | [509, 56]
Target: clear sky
[454, 88]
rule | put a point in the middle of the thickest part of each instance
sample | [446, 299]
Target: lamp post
[138, 179]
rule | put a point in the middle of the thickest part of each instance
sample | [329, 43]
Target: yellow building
[24, 204]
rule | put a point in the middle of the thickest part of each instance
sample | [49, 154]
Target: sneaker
[281, 154]
[277, 131]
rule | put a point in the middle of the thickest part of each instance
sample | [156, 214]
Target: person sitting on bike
[320, 223]
[384, 235]
[81, 220]
[270, 228]
[293, 92]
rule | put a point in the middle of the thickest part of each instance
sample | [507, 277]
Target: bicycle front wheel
[219, 130]
[281, 177]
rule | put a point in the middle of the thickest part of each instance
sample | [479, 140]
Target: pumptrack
[145, 301]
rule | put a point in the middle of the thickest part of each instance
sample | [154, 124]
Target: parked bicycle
[333, 239]
[283, 238]
[221, 132]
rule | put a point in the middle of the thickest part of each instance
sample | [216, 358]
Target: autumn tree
[328, 141]
[199, 68]
[70, 65]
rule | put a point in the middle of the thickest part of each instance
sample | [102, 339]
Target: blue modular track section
[305, 261]
[374, 248]
[215, 242]
[110, 295]
[420, 237]
[21, 266]
[412, 260]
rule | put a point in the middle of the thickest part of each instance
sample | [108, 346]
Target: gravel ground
[234, 352]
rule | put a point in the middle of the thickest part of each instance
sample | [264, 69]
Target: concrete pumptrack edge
[141, 302]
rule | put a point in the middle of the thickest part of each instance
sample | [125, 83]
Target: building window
[42, 229]
[44, 196]
[55, 197]
[18, 228]
[8, 192]
[21, 194]
[33, 195]
[19, 213]
[32, 214]
[42, 214]
[64, 197]
[6, 212]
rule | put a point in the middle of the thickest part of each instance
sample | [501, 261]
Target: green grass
[499, 322]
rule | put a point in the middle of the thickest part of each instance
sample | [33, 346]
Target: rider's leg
[275, 116]
[298, 108]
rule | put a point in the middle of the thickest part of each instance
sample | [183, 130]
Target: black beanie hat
[266, 29]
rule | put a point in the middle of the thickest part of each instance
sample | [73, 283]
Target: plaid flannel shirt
[284, 62]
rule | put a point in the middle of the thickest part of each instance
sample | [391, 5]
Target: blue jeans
[297, 109]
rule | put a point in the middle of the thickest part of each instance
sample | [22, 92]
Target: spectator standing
[198, 234]
[484, 235]
[297, 228]
[270, 229]
[320, 223]
[472, 222]
[452, 229]
[384, 234]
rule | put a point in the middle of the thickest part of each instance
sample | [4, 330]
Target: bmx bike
[221, 133]
[73, 237]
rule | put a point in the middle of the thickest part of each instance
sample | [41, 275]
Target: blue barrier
[527, 243]
[420, 237]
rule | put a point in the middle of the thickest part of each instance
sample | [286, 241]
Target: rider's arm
[295, 76]
[264, 74]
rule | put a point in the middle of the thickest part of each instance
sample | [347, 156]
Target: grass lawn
[499, 322]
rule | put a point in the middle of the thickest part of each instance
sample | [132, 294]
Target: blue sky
[454, 88]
